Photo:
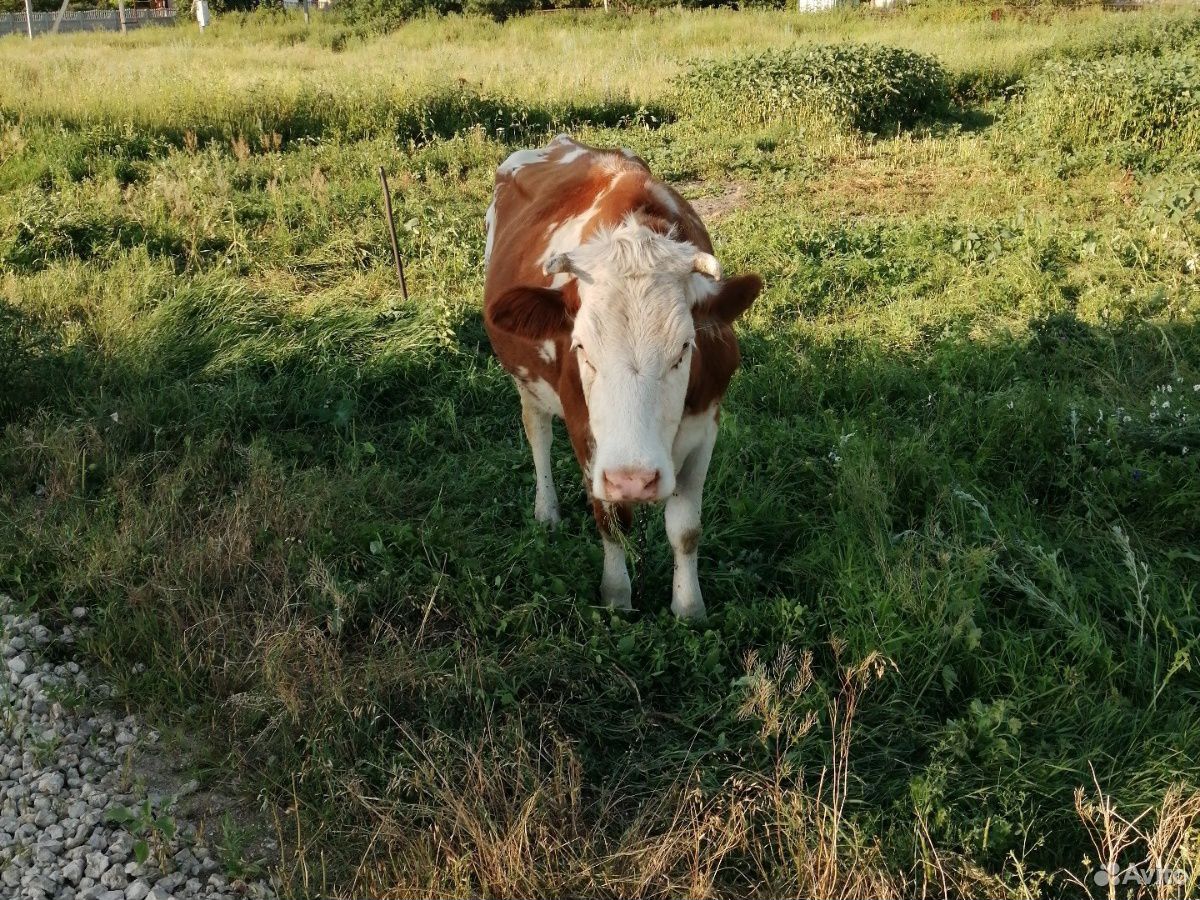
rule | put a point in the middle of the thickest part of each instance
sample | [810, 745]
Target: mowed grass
[950, 549]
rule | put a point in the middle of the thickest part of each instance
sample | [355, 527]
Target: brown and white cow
[604, 302]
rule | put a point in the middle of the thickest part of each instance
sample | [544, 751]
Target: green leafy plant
[1126, 106]
[863, 86]
[152, 833]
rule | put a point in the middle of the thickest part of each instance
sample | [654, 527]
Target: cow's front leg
[683, 531]
[539, 429]
[615, 588]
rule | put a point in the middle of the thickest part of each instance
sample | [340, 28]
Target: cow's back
[552, 199]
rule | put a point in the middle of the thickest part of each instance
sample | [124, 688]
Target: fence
[86, 20]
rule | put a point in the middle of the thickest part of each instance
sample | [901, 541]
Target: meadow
[951, 546]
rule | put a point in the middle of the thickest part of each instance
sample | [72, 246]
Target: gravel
[65, 786]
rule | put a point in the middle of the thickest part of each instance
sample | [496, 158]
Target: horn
[707, 264]
[558, 263]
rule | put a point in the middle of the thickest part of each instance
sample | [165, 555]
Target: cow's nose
[631, 484]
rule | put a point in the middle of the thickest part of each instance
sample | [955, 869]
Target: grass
[949, 554]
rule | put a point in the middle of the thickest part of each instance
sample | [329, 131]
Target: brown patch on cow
[612, 518]
[717, 354]
[689, 541]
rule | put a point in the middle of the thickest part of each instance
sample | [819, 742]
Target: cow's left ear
[733, 297]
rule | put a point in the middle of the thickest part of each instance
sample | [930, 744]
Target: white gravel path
[66, 773]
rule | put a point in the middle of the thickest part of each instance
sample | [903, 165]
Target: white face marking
[547, 351]
[633, 337]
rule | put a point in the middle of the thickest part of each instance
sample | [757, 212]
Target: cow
[604, 302]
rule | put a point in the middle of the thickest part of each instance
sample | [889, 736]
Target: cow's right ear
[533, 313]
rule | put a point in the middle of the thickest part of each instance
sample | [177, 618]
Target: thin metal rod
[391, 222]
[29, 18]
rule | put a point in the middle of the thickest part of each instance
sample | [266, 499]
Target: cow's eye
[583, 357]
[682, 355]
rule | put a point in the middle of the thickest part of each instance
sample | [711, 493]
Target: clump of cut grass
[860, 86]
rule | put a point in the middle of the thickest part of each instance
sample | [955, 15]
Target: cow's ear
[733, 297]
[533, 313]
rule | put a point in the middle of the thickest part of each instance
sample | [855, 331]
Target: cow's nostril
[631, 484]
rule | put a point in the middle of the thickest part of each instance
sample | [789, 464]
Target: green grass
[950, 547]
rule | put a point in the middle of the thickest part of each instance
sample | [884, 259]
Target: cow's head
[632, 332]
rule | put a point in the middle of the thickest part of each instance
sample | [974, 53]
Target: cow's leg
[615, 588]
[539, 429]
[683, 529]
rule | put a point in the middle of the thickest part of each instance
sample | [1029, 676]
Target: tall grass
[957, 473]
[280, 76]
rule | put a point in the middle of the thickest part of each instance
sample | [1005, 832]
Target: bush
[1139, 102]
[857, 85]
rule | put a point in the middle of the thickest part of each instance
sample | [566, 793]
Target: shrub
[858, 85]
[1139, 102]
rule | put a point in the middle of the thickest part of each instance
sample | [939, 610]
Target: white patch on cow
[694, 431]
[544, 397]
[522, 371]
[539, 430]
[615, 589]
[521, 158]
[663, 196]
[571, 155]
[693, 452]
[567, 235]
[701, 287]
[547, 351]
[489, 221]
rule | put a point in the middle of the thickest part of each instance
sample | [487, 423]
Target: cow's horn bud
[707, 264]
[558, 263]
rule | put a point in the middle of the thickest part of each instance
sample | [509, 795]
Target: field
[951, 548]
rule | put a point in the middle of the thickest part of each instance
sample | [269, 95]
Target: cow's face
[633, 340]
[632, 336]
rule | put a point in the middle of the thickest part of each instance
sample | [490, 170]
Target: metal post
[305, 12]
[387, 207]
[62, 10]
[29, 18]
[121, 14]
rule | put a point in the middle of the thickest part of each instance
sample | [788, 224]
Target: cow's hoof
[547, 516]
[689, 610]
[617, 596]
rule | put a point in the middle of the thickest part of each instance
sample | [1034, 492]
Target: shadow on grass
[377, 515]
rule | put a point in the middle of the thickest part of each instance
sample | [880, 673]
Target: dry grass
[515, 815]
[1154, 854]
